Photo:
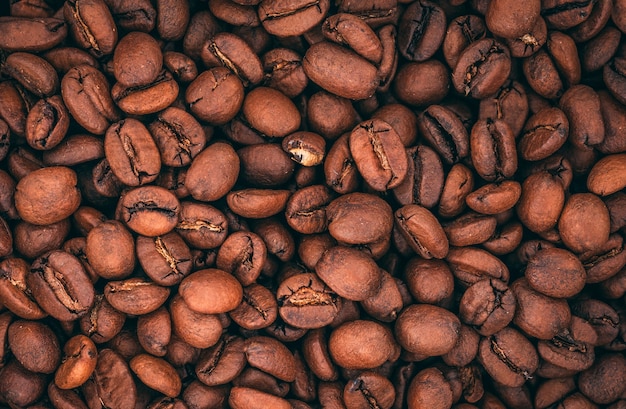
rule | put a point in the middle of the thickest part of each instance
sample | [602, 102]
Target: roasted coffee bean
[445, 132]
[422, 231]
[137, 59]
[213, 172]
[33, 72]
[421, 30]
[178, 136]
[111, 384]
[148, 98]
[36, 34]
[493, 151]
[326, 64]
[196, 329]
[412, 86]
[78, 364]
[438, 330]
[35, 346]
[135, 296]
[211, 291]
[60, 285]
[47, 195]
[243, 255]
[86, 94]
[378, 154]
[91, 25]
[508, 357]
[293, 18]
[362, 344]
[482, 68]
[165, 259]
[150, 210]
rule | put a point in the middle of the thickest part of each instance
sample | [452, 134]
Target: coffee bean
[79, 363]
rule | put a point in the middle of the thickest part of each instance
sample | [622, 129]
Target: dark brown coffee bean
[47, 195]
[259, 112]
[157, 374]
[213, 172]
[73, 149]
[243, 255]
[471, 264]
[19, 386]
[80, 358]
[482, 68]
[579, 231]
[605, 371]
[196, 329]
[326, 63]
[564, 281]
[178, 136]
[544, 133]
[412, 86]
[581, 104]
[293, 18]
[605, 177]
[349, 30]
[33, 72]
[488, 306]
[201, 225]
[493, 150]
[86, 94]
[563, 14]
[470, 229]
[508, 357]
[458, 184]
[421, 30]
[425, 178]
[340, 170]
[257, 203]
[462, 31]
[135, 296]
[180, 65]
[110, 250]
[258, 308]
[530, 42]
[222, 362]
[103, 322]
[137, 59]
[165, 259]
[150, 210]
[429, 281]
[510, 19]
[91, 25]
[494, 198]
[243, 397]
[146, 99]
[172, 19]
[346, 216]
[378, 154]
[305, 148]
[368, 388]
[337, 268]
[362, 344]
[33, 240]
[111, 384]
[271, 356]
[509, 104]
[572, 348]
[31, 34]
[603, 318]
[231, 51]
[35, 346]
[445, 132]
[215, 95]
[530, 314]
[438, 330]
[305, 302]
[6, 239]
[429, 387]
[16, 296]
[60, 285]
[330, 115]
[422, 231]
[211, 291]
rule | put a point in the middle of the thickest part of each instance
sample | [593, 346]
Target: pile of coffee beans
[342, 204]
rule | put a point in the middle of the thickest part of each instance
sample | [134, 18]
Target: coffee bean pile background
[312, 204]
